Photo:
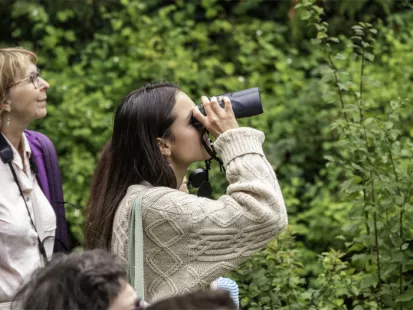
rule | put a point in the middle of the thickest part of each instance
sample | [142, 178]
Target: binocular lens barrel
[245, 103]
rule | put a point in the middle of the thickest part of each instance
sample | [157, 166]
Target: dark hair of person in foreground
[85, 280]
[204, 300]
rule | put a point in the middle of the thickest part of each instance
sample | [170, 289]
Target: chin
[41, 114]
[202, 157]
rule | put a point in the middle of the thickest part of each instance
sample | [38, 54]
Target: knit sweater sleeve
[190, 241]
[251, 213]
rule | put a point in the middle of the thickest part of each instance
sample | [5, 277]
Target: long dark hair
[131, 157]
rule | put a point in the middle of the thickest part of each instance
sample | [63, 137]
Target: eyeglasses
[34, 78]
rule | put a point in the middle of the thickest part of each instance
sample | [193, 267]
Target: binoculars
[245, 103]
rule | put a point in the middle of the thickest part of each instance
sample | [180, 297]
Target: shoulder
[32, 135]
[38, 139]
[123, 211]
[158, 199]
[39, 142]
[162, 202]
[169, 200]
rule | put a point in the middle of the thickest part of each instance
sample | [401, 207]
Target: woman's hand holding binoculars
[217, 119]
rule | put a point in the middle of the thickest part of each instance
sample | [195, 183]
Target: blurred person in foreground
[92, 280]
[96, 280]
[27, 219]
[208, 300]
[188, 241]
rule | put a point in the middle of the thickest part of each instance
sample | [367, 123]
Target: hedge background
[338, 121]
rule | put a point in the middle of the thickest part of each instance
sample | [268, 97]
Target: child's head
[205, 300]
[86, 280]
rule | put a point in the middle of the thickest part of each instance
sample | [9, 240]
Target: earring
[8, 120]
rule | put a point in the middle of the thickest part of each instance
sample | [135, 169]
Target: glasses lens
[36, 80]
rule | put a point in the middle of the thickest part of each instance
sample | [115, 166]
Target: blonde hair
[14, 62]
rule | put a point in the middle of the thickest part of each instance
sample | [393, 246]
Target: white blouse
[19, 251]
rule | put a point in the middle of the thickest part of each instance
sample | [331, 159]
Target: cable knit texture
[189, 241]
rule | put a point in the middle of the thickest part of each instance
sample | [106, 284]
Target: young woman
[27, 220]
[188, 241]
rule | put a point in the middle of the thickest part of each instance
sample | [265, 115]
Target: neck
[13, 132]
[180, 172]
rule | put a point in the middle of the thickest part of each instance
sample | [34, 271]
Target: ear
[164, 146]
[5, 106]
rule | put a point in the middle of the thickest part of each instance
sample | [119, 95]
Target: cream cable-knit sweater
[190, 241]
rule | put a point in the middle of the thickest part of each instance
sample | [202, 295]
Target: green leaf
[357, 27]
[342, 86]
[368, 280]
[340, 56]
[365, 44]
[390, 270]
[399, 200]
[357, 167]
[369, 56]
[406, 296]
[306, 15]
[228, 68]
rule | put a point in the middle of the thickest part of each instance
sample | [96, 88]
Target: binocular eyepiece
[245, 103]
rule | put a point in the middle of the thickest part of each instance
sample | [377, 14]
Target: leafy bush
[337, 121]
[367, 182]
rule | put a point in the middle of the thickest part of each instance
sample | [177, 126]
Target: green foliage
[336, 84]
[359, 200]
[273, 277]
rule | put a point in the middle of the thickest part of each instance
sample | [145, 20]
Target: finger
[228, 105]
[215, 106]
[199, 116]
[206, 103]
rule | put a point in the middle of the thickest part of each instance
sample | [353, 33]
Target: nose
[43, 84]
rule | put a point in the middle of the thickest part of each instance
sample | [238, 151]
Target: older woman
[27, 220]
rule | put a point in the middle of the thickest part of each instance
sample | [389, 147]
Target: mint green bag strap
[135, 248]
